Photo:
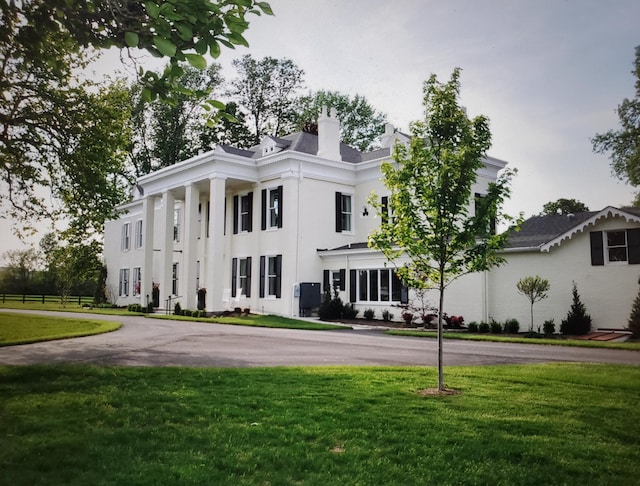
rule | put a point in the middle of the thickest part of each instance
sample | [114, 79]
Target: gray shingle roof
[538, 230]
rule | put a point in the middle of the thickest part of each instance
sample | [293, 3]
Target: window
[137, 280]
[480, 209]
[377, 285]
[270, 276]
[123, 284]
[241, 276]
[174, 280]
[272, 208]
[138, 235]
[176, 225]
[197, 274]
[615, 247]
[125, 242]
[334, 280]
[243, 213]
[343, 212]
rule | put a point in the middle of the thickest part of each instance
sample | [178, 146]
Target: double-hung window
[138, 234]
[272, 208]
[241, 276]
[243, 213]
[615, 247]
[137, 280]
[271, 276]
[125, 241]
[344, 220]
[123, 284]
[176, 225]
[175, 279]
[376, 285]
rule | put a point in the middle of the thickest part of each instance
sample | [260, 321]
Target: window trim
[340, 213]
[138, 236]
[396, 291]
[123, 283]
[267, 209]
[238, 223]
[175, 279]
[176, 224]
[125, 237]
[237, 277]
[265, 276]
[137, 281]
[600, 248]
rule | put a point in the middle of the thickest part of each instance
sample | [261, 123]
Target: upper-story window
[344, 220]
[272, 208]
[243, 213]
[176, 225]
[138, 234]
[125, 241]
[615, 247]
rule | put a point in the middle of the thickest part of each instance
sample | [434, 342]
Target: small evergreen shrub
[368, 314]
[496, 327]
[349, 312]
[150, 308]
[511, 326]
[473, 326]
[187, 313]
[177, 309]
[386, 315]
[634, 317]
[484, 327]
[577, 321]
[549, 327]
[331, 309]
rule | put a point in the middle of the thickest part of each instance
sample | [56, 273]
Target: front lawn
[256, 321]
[31, 328]
[529, 425]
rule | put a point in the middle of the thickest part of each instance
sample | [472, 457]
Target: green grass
[30, 328]
[511, 425]
[70, 307]
[256, 321]
[582, 343]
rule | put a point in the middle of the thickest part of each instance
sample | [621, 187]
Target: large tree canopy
[49, 118]
[430, 185]
[623, 145]
[564, 206]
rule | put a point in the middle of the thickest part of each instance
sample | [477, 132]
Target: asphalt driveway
[154, 342]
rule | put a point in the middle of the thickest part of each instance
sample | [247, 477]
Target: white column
[215, 246]
[168, 209]
[146, 285]
[190, 248]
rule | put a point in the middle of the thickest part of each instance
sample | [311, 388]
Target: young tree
[19, 270]
[577, 321]
[634, 317]
[623, 145]
[266, 91]
[564, 206]
[360, 123]
[535, 289]
[430, 182]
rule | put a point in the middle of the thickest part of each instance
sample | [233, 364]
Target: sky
[549, 74]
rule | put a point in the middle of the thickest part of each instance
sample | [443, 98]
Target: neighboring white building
[250, 226]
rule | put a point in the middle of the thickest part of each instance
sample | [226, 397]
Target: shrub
[577, 321]
[549, 327]
[386, 315]
[634, 317]
[368, 314]
[187, 313]
[331, 308]
[484, 327]
[496, 327]
[349, 312]
[511, 326]
[453, 321]
[407, 317]
[150, 308]
[473, 326]
[177, 309]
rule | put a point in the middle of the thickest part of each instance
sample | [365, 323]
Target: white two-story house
[248, 227]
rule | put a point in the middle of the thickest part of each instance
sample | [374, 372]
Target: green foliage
[511, 326]
[369, 314]
[177, 309]
[549, 327]
[360, 123]
[535, 289]
[386, 315]
[20, 270]
[564, 206]
[332, 308]
[266, 91]
[577, 321]
[623, 145]
[431, 191]
[484, 327]
[634, 317]
[472, 327]
[496, 327]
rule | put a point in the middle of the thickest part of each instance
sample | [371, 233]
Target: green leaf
[131, 39]
[237, 39]
[214, 49]
[152, 9]
[265, 7]
[201, 46]
[184, 31]
[165, 46]
[218, 105]
[147, 95]
[196, 60]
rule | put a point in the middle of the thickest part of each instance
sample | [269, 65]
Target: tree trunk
[531, 325]
[440, 314]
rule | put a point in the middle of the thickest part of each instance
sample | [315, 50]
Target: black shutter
[326, 284]
[597, 250]
[404, 295]
[343, 279]
[250, 196]
[352, 286]
[278, 275]
[248, 290]
[338, 212]
[234, 276]
[236, 210]
[280, 206]
[264, 210]
[262, 276]
[633, 241]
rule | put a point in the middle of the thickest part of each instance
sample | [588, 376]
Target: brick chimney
[329, 135]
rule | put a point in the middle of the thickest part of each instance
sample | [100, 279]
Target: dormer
[270, 145]
[329, 135]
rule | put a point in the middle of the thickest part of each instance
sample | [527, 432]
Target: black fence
[24, 298]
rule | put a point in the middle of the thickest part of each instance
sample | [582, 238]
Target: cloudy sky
[548, 73]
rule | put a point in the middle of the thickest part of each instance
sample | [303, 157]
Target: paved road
[154, 342]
